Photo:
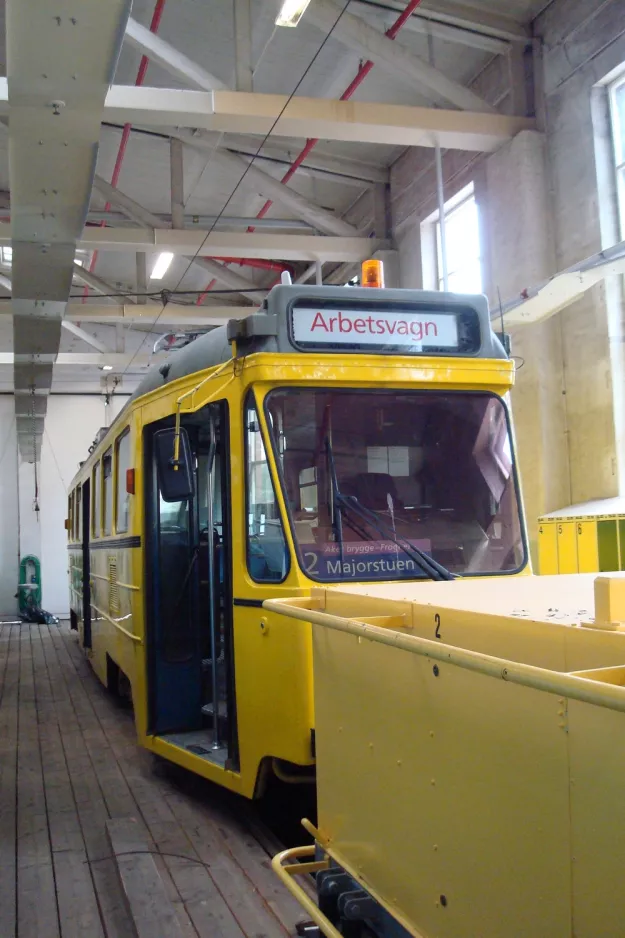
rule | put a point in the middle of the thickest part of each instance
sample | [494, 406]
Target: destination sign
[400, 328]
[362, 560]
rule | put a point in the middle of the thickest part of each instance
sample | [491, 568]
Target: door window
[267, 556]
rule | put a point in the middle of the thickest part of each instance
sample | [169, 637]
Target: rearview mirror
[175, 480]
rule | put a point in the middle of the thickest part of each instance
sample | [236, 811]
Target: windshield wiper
[337, 518]
[429, 566]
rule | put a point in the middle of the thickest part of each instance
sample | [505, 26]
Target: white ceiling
[204, 32]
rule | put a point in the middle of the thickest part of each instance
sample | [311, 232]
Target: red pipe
[245, 262]
[358, 79]
[254, 262]
[121, 153]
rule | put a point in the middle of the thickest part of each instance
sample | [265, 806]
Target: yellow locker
[567, 546]
[587, 547]
[547, 548]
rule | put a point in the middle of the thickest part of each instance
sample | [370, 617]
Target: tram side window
[123, 498]
[267, 555]
[77, 513]
[107, 490]
[96, 516]
[70, 516]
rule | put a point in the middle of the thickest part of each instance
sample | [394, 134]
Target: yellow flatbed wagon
[470, 757]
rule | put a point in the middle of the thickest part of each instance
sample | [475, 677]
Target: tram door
[187, 573]
[86, 564]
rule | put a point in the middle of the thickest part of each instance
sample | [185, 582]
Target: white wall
[71, 425]
[8, 508]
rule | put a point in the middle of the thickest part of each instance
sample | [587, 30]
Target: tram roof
[291, 315]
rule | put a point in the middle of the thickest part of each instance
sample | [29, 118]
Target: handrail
[287, 873]
[526, 675]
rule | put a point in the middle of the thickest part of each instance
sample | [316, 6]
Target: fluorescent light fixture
[291, 12]
[161, 266]
[107, 367]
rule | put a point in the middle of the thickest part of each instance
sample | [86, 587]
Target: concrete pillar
[408, 241]
[512, 196]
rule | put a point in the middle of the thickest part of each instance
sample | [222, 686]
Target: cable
[55, 460]
[127, 294]
[247, 169]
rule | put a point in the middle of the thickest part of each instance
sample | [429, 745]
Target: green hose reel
[29, 589]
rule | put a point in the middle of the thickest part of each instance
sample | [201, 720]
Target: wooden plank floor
[68, 762]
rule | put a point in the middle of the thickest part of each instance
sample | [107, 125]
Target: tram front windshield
[370, 475]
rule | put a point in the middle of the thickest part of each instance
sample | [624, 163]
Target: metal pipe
[257, 262]
[513, 672]
[319, 273]
[441, 214]
[212, 618]
[440, 188]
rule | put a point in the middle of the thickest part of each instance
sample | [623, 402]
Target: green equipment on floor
[29, 589]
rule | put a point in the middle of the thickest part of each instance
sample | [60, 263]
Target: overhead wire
[243, 175]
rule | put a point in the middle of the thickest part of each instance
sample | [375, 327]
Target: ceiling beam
[392, 57]
[176, 172]
[243, 45]
[118, 360]
[468, 16]
[147, 315]
[96, 283]
[426, 25]
[354, 121]
[543, 301]
[129, 207]
[54, 131]
[162, 53]
[318, 164]
[288, 247]
[271, 188]
[230, 278]
[205, 221]
[155, 231]
[85, 336]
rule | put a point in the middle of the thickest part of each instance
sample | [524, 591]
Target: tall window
[462, 239]
[123, 498]
[96, 516]
[267, 557]
[107, 490]
[617, 114]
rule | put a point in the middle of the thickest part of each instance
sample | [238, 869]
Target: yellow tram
[337, 435]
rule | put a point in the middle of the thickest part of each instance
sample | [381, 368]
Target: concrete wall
[545, 203]
[583, 43]
[71, 425]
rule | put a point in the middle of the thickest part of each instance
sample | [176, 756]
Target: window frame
[453, 205]
[96, 519]
[107, 455]
[116, 490]
[617, 131]
[78, 511]
[70, 516]
[299, 560]
[250, 401]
